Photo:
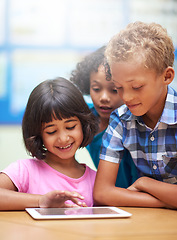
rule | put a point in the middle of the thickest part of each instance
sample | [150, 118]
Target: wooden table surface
[145, 223]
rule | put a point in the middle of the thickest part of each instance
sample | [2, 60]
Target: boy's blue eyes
[135, 88]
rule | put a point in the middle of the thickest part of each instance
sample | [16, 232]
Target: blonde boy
[141, 61]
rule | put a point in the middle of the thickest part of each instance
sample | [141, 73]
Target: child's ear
[169, 74]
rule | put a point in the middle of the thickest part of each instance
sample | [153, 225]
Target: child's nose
[63, 137]
[127, 97]
[104, 97]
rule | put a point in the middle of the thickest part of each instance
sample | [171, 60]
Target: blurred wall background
[42, 39]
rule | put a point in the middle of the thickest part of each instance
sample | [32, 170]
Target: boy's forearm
[165, 192]
[105, 192]
[124, 197]
[11, 200]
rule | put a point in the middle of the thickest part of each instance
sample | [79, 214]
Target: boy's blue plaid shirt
[153, 151]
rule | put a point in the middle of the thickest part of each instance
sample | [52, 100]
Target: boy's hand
[133, 188]
[57, 199]
[135, 185]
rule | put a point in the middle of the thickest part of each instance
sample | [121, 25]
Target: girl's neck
[68, 167]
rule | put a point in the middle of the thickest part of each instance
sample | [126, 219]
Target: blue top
[127, 170]
[154, 151]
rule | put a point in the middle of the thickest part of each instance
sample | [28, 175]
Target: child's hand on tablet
[57, 199]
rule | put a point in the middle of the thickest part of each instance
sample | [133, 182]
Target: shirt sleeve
[18, 173]
[112, 148]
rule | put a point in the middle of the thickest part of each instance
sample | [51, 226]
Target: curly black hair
[107, 70]
[81, 75]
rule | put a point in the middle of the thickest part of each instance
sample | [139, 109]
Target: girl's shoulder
[23, 164]
[30, 162]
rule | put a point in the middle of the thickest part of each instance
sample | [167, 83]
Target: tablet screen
[79, 212]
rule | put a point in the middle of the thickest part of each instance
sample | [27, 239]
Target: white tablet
[77, 212]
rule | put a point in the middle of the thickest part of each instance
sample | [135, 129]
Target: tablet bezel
[119, 213]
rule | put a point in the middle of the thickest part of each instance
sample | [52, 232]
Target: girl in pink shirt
[56, 122]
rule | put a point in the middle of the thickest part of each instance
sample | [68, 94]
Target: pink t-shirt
[37, 177]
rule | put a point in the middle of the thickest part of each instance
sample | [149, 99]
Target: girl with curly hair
[90, 77]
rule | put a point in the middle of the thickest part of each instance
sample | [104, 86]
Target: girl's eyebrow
[50, 125]
[67, 121]
[71, 120]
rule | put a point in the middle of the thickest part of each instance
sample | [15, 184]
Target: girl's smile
[66, 147]
[62, 137]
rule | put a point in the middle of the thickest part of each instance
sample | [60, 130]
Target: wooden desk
[144, 224]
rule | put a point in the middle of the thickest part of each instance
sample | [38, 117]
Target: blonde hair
[148, 42]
